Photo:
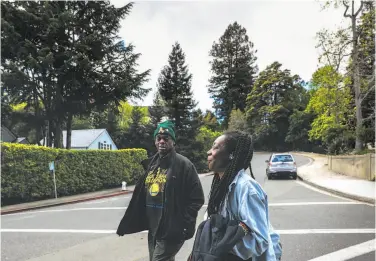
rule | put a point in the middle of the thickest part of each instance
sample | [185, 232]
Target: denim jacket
[247, 202]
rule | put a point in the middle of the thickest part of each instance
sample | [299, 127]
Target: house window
[104, 146]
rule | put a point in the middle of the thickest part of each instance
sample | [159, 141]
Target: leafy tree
[211, 121]
[299, 127]
[275, 95]
[205, 137]
[367, 70]
[208, 119]
[238, 121]
[81, 123]
[330, 104]
[6, 109]
[124, 114]
[357, 42]
[233, 71]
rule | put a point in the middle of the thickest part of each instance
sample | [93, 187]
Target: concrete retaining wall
[360, 166]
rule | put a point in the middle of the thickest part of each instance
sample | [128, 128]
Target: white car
[281, 165]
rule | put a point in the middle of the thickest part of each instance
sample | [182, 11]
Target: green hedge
[25, 172]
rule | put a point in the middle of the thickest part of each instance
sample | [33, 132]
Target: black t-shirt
[155, 184]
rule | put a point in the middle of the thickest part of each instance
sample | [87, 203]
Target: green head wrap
[165, 127]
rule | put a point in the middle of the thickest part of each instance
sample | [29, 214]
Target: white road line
[282, 232]
[313, 203]
[101, 201]
[63, 210]
[326, 231]
[21, 218]
[287, 204]
[82, 231]
[349, 252]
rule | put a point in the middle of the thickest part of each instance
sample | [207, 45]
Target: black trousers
[162, 250]
[231, 257]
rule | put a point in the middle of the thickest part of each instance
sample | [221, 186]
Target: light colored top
[247, 202]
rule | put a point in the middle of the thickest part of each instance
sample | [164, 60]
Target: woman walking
[239, 197]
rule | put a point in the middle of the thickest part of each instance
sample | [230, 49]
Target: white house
[90, 139]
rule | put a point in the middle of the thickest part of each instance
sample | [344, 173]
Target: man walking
[166, 200]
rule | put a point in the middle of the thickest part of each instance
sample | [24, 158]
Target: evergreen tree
[157, 110]
[233, 71]
[174, 86]
[67, 55]
[136, 136]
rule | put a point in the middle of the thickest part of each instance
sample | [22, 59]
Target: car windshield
[282, 158]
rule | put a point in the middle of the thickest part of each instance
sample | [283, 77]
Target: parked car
[281, 165]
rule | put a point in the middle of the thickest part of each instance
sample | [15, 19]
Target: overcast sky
[282, 31]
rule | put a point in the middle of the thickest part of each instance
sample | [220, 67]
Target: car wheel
[269, 177]
[295, 176]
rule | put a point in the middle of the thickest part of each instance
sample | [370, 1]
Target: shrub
[25, 174]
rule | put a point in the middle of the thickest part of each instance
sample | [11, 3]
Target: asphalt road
[312, 225]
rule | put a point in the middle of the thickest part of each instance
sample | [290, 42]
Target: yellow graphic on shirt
[154, 189]
[155, 181]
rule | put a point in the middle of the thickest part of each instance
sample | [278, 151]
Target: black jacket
[184, 198]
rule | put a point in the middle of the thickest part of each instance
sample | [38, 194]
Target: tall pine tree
[137, 135]
[157, 110]
[174, 86]
[233, 71]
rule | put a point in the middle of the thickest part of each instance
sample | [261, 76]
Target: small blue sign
[52, 165]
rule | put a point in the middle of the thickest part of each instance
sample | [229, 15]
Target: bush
[25, 173]
[339, 140]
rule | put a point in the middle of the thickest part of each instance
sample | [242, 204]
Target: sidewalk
[70, 199]
[65, 200]
[317, 175]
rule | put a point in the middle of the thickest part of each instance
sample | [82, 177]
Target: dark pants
[162, 250]
[231, 257]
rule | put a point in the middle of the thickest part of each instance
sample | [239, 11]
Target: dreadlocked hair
[239, 144]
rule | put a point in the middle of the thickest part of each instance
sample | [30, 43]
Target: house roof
[82, 138]
[5, 130]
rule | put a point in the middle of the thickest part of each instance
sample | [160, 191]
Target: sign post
[52, 169]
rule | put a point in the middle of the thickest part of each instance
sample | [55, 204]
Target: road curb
[11, 211]
[333, 191]
[339, 193]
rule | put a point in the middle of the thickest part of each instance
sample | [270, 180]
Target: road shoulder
[317, 174]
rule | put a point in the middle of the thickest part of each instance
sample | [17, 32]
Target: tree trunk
[69, 131]
[49, 133]
[58, 138]
[356, 83]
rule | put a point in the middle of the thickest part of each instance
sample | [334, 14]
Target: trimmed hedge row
[25, 174]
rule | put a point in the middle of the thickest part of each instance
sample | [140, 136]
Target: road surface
[313, 226]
